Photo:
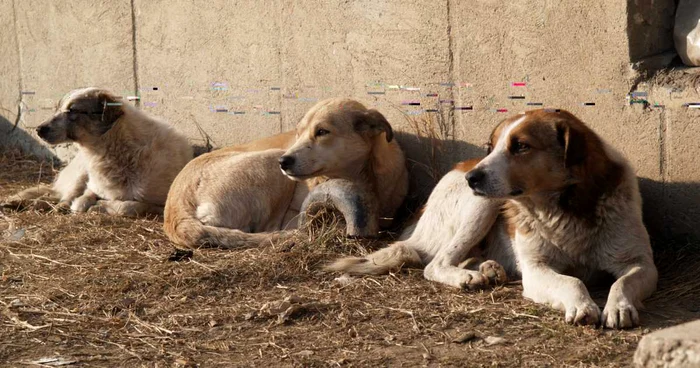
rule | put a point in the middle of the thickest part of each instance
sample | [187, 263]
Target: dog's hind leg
[127, 208]
[84, 202]
[71, 183]
[477, 216]
[41, 197]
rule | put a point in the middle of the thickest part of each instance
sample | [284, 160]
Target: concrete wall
[273, 59]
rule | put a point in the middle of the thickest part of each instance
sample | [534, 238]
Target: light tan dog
[572, 210]
[126, 160]
[230, 199]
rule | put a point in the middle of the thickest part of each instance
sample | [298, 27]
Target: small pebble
[466, 337]
[493, 340]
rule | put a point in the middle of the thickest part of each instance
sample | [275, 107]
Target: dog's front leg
[635, 283]
[127, 208]
[544, 285]
[85, 201]
[71, 182]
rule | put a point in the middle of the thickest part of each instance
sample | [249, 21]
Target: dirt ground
[93, 290]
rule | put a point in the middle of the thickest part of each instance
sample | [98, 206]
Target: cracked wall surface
[228, 72]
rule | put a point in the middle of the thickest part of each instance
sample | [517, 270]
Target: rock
[466, 337]
[494, 340]
[305, 353]
[677, 346]
[291, 307]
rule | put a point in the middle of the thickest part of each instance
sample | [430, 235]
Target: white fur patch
[502, 144]
[72, 95]
[206, 213]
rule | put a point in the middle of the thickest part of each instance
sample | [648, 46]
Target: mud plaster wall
[226, 72]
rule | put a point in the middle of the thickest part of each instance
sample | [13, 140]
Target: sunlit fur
[556, 213]
[126, 159]
[236, 196]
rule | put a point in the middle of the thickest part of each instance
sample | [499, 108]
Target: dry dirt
[93, 290]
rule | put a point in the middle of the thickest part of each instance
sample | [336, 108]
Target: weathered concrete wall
[262, 64]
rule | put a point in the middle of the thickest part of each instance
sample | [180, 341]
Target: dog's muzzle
[286, 162]
[475, 178]
[42, 131]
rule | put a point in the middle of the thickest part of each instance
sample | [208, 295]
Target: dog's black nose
[475, 177]
[41, 130]
[286, 162]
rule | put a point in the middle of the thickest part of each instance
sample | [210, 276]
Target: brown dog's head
[82, 115]
[540, 152]
[334, 139]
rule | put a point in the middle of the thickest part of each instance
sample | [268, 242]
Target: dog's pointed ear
[574, 143]
[110, 106]
[374, 123]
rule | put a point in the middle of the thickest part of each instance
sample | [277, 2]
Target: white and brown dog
[241, 196]
[552, 203]
[125, 163]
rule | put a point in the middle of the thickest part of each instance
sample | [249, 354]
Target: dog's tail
[380, 262]
[194, 234]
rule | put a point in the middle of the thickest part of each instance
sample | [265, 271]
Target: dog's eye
[519, 147]
[72, 114]
[321, 132]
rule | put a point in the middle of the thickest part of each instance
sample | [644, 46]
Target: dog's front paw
[494, 272]
[620, 315]
[98, 207]
[585, 312]
[472, 280]
[81, 204]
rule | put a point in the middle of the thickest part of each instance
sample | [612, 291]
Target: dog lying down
[230, 199]
[551, 203]
[125, 163]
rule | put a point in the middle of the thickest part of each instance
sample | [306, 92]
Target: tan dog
[126, 159]
[225, 197]
[572, 210]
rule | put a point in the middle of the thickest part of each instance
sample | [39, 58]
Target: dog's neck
[387, 176]
[576, 206]
[363, 175]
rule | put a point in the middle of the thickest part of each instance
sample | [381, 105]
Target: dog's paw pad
[620, 315]
[472, 280]
[82, 204]
[583, 313]
[494, 272]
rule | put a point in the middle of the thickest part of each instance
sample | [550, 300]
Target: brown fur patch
[566, 156]
[595, 173]
[467, 165]
[510, 213]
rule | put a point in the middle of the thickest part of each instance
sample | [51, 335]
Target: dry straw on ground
[94, 290]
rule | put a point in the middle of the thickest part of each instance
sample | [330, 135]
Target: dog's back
[137, 159]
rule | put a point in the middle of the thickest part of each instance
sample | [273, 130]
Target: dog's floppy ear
[574, 143]
[374, 122]
[110, 106]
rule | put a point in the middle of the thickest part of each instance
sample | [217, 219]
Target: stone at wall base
[677, 346]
